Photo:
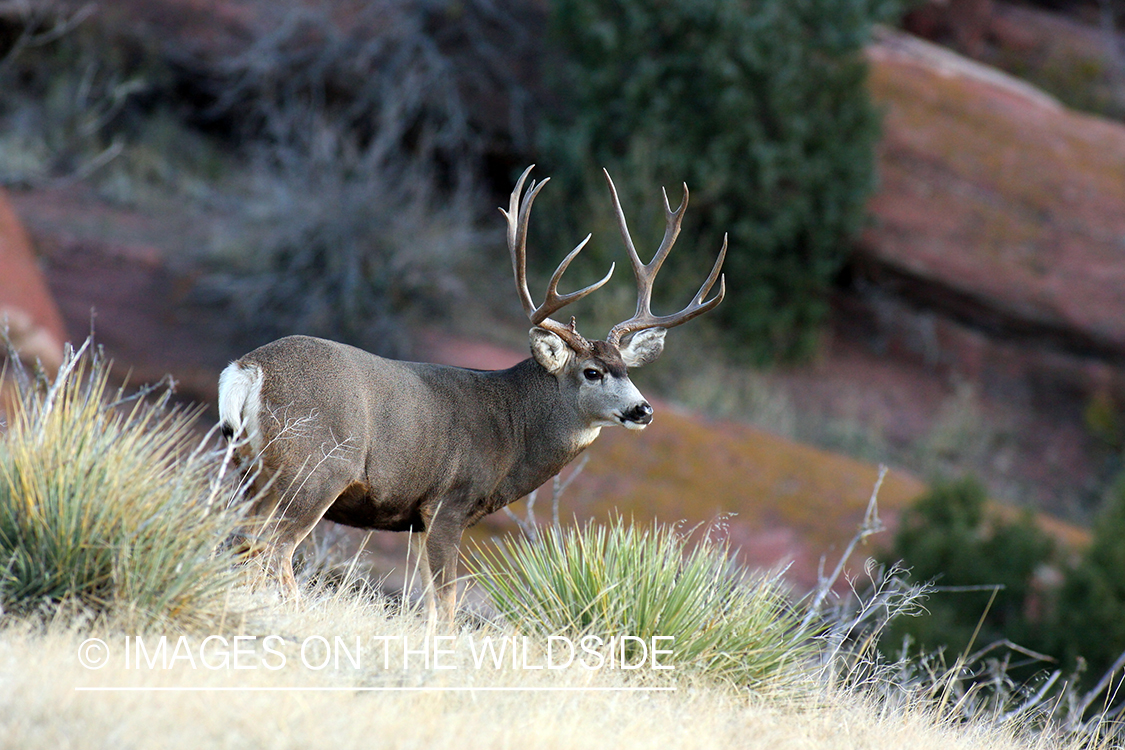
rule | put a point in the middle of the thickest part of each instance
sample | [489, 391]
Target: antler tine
[518, 213]
[646, 274]
[698, 306]
[554, 300]
[694, 309]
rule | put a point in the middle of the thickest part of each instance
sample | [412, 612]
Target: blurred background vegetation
[999, 577]
[359, 162]
[760, 108]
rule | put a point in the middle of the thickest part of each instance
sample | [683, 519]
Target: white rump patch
[240, 401]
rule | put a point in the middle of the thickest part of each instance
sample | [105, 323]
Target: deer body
[389, 430]
[370, 442]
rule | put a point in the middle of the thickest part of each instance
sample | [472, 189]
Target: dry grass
[43, 708]
[237, 668]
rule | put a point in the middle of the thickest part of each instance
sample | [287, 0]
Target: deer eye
[591, 374]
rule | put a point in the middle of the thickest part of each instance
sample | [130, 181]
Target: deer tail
[240, 400]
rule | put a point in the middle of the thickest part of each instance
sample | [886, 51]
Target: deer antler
[645, 274]
[519, 209]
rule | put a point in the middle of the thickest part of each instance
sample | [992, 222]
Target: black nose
[641, 413]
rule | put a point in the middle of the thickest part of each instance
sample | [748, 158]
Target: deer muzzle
[637, 417]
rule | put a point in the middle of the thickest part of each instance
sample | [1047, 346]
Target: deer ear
[549, 350]
[644, 347]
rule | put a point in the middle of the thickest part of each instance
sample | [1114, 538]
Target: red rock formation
[998, 243]
[33, 321]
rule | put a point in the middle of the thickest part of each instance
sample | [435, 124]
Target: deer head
[596, 372]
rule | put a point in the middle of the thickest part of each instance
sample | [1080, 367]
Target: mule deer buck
[384, 444]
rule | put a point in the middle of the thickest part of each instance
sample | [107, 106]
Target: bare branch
[871, 525]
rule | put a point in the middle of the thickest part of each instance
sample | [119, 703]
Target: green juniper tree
[759, 106]
[1091, 608]
[984, 565]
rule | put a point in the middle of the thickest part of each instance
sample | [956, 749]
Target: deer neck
[547, 425]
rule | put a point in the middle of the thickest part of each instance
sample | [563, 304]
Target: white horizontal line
[392, 689]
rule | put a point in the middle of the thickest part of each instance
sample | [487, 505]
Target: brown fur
[382, 444]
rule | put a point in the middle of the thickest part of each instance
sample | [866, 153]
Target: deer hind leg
[285, 515]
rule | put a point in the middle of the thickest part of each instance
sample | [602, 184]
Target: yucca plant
[110, 503]
[616, 579]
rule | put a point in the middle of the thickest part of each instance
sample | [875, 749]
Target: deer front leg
[443, 543]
